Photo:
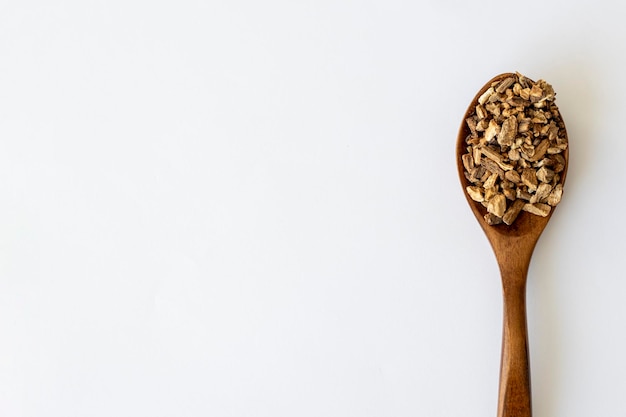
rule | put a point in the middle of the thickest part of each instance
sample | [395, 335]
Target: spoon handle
[514, 398]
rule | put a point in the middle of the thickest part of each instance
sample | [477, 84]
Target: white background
[246, 208]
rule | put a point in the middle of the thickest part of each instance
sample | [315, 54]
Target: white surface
[240, 208]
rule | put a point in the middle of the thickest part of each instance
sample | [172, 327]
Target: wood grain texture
[513, 246]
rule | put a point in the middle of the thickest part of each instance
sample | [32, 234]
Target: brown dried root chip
[476, 193]
[512, 212]
[497, 205]
[539, 209]
[555, 196]
[492, 219]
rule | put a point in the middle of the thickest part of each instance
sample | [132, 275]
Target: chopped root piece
[511, 214]
[529, 179]
[468, 162]
[497, 205]
[508, 131]
[475, 193]
[492, 219]
[539, 209]
[555, 196]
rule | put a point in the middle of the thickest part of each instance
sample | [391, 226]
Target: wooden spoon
[513, 246]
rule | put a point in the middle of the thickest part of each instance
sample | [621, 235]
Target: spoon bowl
[513, 246]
